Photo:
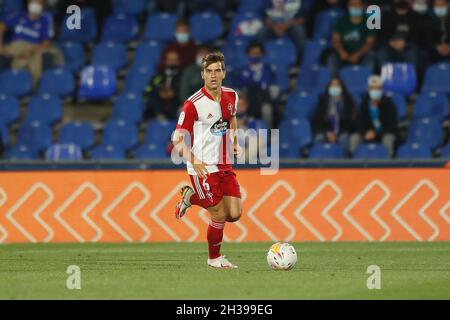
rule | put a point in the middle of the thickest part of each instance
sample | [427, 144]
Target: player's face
[213, 76]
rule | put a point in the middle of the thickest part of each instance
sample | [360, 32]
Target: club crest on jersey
[219, 128]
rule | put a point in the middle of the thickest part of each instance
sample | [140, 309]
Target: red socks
[215, 236]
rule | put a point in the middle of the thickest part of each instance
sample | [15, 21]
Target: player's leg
[189, 197]
[233, 208]
[215, 236]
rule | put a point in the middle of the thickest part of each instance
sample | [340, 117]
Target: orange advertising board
[293, 205]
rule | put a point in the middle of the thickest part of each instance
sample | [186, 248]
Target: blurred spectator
[183, 45]
[161, 95]
[191, 80]
[400, 35]
[245, 121]
[420, 7]
[256, 78]
[335, 115]
[284, 19]
[377, 118]
[352, 40]
[31, 34]
[439, 33]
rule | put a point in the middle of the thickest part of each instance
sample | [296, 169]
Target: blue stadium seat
[159, 132]
[4, 134]
[58, 82]
[300, 105]
[257, 124]
[400, 104]
[35, 135]
[64, 152]
[280, 52]
[86, 34]
[437, 78]
[108, 152]
[431, 104]
[245, 27]
[295, 135]
[327, 151]
[151, 151]
[399, 78]
[111, 54]
[9, 110]
[97, 83]
[129, 107]
[313, 52]
[120, 28]
[414, 151]
[235, 54]
[16, 83]
[355, 78]
[22, 152]
[426, 131]
[74, 55]
[313, 80]
[160, 27]
[80, 133]
[446, 151]
[324, 22]
[366, 151]
[120, 133]
[134, 7]
[45, 108]
[252, 6]
[202, 34]
[137, 79]
[148, 54]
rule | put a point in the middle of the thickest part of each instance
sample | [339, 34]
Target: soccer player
[206, 119]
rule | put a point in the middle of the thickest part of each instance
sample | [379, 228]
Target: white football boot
[221, 262]
[184, 204]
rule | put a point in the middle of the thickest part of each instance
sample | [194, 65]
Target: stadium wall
[297, 204]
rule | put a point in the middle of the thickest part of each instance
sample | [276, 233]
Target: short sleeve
[187, 117]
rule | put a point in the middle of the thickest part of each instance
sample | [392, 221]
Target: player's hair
[213, 57]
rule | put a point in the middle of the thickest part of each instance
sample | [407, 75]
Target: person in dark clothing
[377, 118]
[335, 115]
[183, 45]
[161, 95]
[438, 32]
[400, 35]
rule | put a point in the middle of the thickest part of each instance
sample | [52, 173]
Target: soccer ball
[281, 256]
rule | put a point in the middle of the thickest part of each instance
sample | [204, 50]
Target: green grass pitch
[179, 271]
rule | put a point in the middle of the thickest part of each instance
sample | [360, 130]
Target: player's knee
[235, 214]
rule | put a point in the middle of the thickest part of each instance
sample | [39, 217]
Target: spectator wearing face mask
[377, 118]
[161, 95]
[258, 79]
[352, 41]
[335, 115]
[183, 45]
[439, 31]
[190, 79]
[31, 34]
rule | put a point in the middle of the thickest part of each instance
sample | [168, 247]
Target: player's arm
[185, 128]
[234, 131]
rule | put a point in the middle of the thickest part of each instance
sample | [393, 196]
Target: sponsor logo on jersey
[219, 128]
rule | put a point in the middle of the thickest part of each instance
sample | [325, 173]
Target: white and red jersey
[207, 122]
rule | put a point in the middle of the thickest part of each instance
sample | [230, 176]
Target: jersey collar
[209, 96]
